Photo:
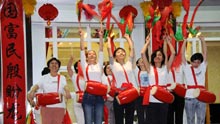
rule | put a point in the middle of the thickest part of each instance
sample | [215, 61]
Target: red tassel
[146, 96]
[194, 12]
[186, 5]
[121, 26]
[165, 14]
[66, 118]
[90, 12]
[129, 21]
[105, 8]
[80, 6]
[178, 59]
[32, 118]
[149, 23]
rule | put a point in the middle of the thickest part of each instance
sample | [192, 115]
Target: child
[197, 69]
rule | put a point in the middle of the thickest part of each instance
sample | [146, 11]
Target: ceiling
[132, 2]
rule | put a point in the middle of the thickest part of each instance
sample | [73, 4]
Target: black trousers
[124, 111]
[157, 113]
[141, 111]
[175, 110]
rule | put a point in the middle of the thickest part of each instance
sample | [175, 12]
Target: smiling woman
[54, 84]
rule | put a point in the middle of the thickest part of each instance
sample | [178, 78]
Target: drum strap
[173, 74]
[139, 79]
[87, 75]
[156, 76]
[58, 84]
[111, 82]
[126, 75]
[194, 76]
[196, 83]
[77, 82]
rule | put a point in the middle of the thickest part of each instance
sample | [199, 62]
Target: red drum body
[178, 89]
[79, 96]
[96, 88]
[127, 96]
[44, 99]
[162, 94]
[204, 96]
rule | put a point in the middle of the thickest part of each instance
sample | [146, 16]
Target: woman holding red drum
[157, 71]
[93, 101]
[126, 85]
[51, 83]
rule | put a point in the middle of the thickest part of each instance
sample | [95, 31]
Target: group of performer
[114, 91]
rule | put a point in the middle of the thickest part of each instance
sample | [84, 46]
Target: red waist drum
[162, 94]
[96, 88]
[127, 96]
[44, 99]
[204, 95]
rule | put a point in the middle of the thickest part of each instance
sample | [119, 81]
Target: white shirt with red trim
[49, 84]
[94, 71]
[162, 75]
[200, 77]
[120, 75]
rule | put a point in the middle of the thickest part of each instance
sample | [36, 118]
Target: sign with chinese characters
[13, 61]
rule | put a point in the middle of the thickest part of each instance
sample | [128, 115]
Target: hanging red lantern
[48, 12]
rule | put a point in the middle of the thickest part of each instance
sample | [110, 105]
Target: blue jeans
[93, 108]
[192, 107]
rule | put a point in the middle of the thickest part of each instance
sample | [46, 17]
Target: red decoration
[13, 63]
[125, 11]
[48, 12]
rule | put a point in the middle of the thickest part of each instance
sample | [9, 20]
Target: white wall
[38, 50]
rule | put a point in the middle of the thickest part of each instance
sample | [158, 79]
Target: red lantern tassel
[129, 21]
[90, 12]
[178, 59]
[79, 10]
